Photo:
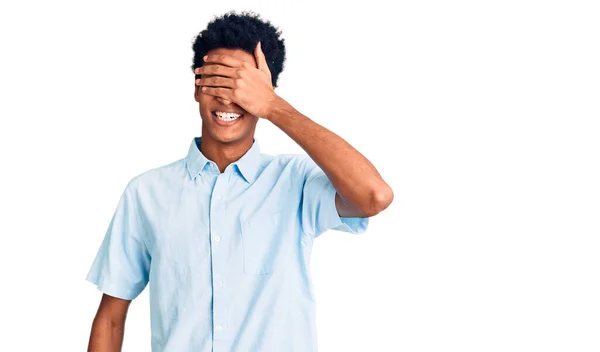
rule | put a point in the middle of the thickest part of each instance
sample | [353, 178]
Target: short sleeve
[318, 210]
[121, 266]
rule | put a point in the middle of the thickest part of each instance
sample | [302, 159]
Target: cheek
[203, 98]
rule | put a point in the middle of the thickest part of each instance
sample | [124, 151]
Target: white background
[481, 115]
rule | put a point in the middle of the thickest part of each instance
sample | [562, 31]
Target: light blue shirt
[226, 254]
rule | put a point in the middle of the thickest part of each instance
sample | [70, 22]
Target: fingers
[224, 93]
[216, 81]
[223, 59]
[217, 70]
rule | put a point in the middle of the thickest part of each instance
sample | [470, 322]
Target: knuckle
[215, 80]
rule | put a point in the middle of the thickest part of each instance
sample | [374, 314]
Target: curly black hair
[242, 31]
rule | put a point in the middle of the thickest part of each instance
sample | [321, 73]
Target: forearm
[106, 335]
[354, 177]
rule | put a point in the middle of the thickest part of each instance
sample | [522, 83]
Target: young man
[224, 235]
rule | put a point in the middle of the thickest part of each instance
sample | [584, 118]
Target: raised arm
[361, 191]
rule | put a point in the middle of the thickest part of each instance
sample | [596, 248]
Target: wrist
[277, 107]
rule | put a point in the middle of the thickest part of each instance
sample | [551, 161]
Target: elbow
[380, 199]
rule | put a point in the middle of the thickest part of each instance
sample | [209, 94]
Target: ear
[196, 92]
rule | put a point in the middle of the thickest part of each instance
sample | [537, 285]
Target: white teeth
[227, 116]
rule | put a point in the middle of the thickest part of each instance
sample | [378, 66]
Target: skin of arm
[361, 191]
[109, 325]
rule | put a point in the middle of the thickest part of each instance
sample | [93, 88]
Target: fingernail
[205, 57]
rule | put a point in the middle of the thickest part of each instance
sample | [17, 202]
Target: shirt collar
[247, 165]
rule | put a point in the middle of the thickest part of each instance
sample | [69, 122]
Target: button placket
[216, 204]
[219, 244]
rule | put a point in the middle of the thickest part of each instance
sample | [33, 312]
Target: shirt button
[218, 197]
[219, 328]
[220, 283]
[217, 238]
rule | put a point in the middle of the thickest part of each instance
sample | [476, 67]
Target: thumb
[260, 59]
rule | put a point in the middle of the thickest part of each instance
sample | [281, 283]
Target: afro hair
[242, 31]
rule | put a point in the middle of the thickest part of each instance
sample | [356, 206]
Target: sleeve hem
[354, 225]
[112, 289]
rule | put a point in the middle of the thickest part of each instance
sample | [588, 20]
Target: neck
[221, 153]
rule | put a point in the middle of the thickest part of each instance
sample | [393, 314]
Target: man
[224, 235]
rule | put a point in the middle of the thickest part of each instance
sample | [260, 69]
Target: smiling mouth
[226, 118]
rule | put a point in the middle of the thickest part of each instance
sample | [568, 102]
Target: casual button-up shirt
[226, 255]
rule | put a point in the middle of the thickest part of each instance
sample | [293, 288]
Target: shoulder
[293, 167]
[291, 164]
[160, 176]
[287, 160]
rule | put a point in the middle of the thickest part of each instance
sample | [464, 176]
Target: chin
[226, 137]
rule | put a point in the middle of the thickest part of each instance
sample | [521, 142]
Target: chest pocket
[261, 239]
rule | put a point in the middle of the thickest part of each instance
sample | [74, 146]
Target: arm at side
[109, 325]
